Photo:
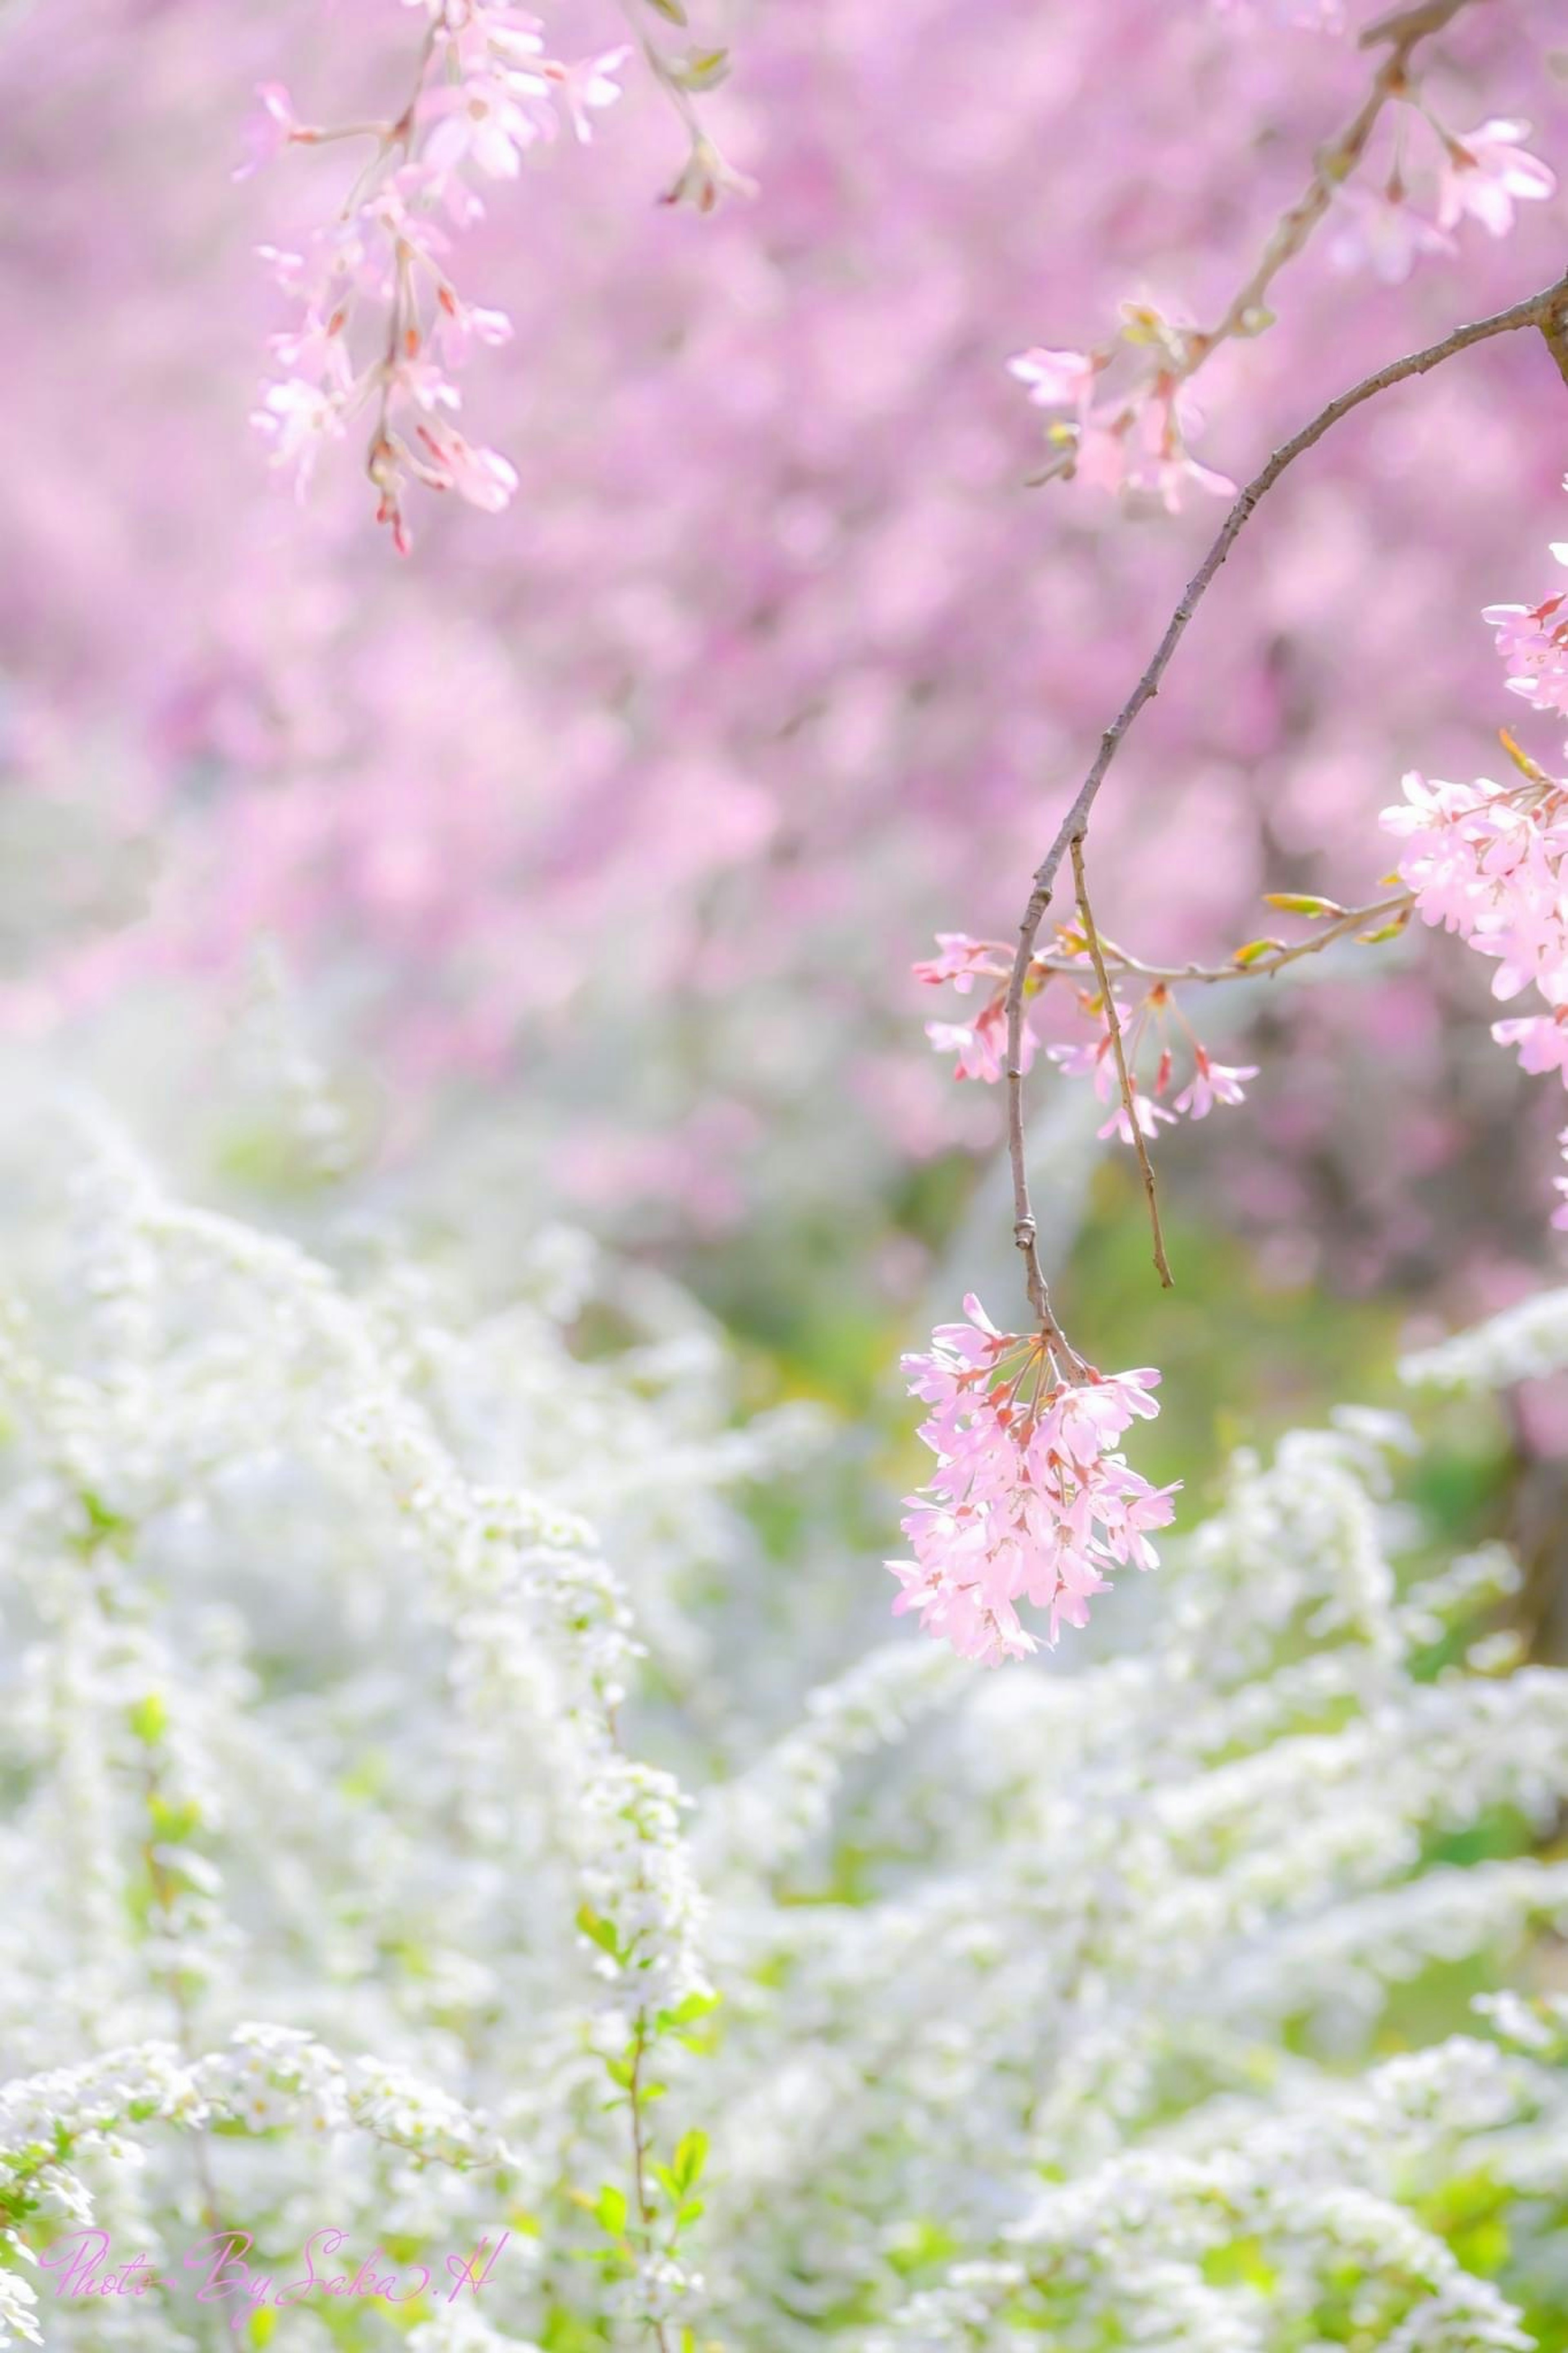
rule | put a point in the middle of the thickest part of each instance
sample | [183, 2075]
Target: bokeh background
[574, 867]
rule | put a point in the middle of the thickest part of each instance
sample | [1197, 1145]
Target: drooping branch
[1547, 311]
[1125, 1076]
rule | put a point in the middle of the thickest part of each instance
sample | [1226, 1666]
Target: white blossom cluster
[1524, 1342]
[359, 1647]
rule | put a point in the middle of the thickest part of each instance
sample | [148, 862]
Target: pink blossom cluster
[1135, 441]
[485, 96]
[1158, 1039]
[1030, 1499]
[1486, 861]
[1155, 1029]
[980, 1044]
[1482, 175]
[1533, 640]
[1137, 444]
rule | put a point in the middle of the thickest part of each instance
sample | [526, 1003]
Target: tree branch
[1547, 311]
[1129, 1093]
[1350, 921]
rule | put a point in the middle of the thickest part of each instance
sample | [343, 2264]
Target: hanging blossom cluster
[1120, 416]
[1532, 641]
[1030, 1499]
[1181, 1076]
[1487, 860]
[383, 328]
[1481, 175]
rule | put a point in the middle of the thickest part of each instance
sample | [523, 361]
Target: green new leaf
[172, 1825]
[1521, 759]
[1302, 902]
[599, 1932]
[611, 2210]
[691, 2157]
[702, 70]
[670, 10]
[1255, 950]
[687, 2012]
[149, 1720]
[1385, 931]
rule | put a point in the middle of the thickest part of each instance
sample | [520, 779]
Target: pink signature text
[86, 2264]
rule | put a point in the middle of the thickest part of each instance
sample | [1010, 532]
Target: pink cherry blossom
[315, 352]
[482, 476]
[1542, 1039]
[299, 418]
[1138, 445]
[1087, 1058]
[1487, 172]
[962, 960]
[1163, 465]
[586, 88]
[487, 122]
[1029, 1499]
[1054, 379]
[272, 126]
[707, 178]
[1533, 640]
[459, 325]
[981, 1046]
[1100, 454]
[1213, 1083]
[1381, 230]
[1148, 1112]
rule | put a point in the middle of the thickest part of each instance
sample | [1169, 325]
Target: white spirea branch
[321, 1702]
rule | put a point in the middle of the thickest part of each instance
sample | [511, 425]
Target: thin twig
[174, 1985]
[1549, 306]
[1129, 1093]
[1405, 27]
[639, 2162]
[1378, 911]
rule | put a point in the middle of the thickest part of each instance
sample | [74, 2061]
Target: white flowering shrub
[391, 1850]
